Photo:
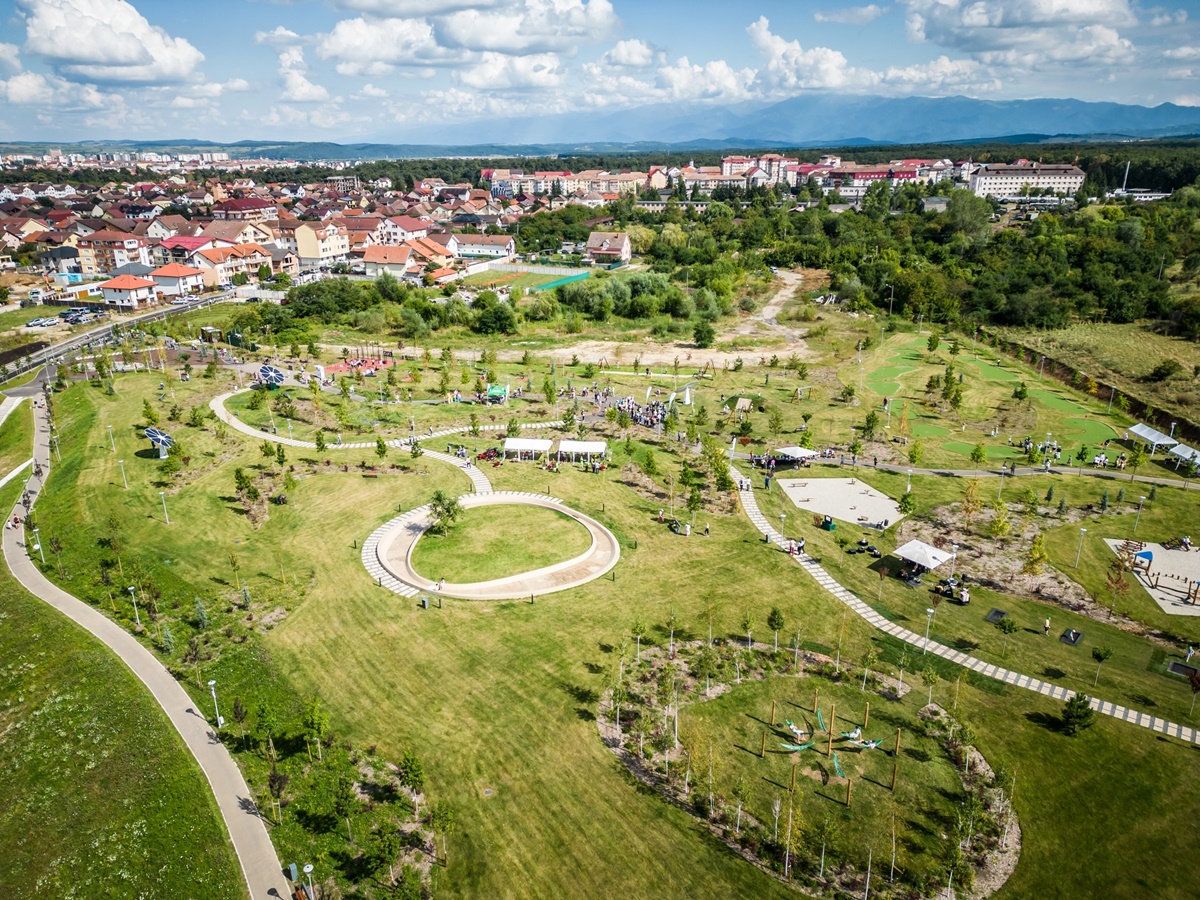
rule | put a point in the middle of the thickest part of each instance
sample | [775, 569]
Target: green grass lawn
[16, 438]
[98, 795]
[497, 541]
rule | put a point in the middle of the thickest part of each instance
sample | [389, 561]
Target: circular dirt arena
[387, 554]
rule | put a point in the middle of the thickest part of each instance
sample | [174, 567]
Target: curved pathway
[387, 554]
[825, 580]
[247, 830]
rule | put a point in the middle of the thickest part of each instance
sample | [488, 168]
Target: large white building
[1003, 180]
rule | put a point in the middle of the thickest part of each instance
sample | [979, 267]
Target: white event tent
[1153, 437]
[923, 554]
[527, 448]
[796, 452]
[582, 448]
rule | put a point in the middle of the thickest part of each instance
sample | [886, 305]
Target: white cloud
[789, 68]
[1182, 53]
[279, 36]
[631, 54]
[374, 47]
[105, 40]
[528, 25]
[369, 92]
[713, 81]
[851, 15]
[411, 8]
[1025, 33]
[217, 88]
[53, 91]
[1160, 17]
[1187, 100]
[296, 86]
[10, 57]
[498, 72]
[1180, 74]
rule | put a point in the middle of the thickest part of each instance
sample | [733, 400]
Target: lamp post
[928, 621]
[124, 480]
[212, 686]
[1138, 517]
[782, 533]
[133, 599]
[1041, 365]
[111, 442]
[163, 495]
[37, 539]
[1079, 551]
[953, 559]
[308, 867]
[1172, 430]
[909, 487]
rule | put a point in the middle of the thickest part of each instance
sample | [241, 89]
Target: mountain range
[806, 121]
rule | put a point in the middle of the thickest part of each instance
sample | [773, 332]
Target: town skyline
[386, 70]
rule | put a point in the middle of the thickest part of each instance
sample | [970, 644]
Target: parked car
[35, 323]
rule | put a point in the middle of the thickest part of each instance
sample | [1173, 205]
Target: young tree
[747, 626]
[904, 662]
[380, 447]
[114, 540]
[930, 678]
[916, 452]
[775, 622]
[268, 724]
[149, 413]
[650, 467]
[316, 724]
[1077, 714]
[1007, 626]
[638, 630]
[1137, 456]
[971, 504]
[267, 449]
[999, 526]
[978, 456]
[320, 441]
[280, 455]
[1100, 655]
[1036, 559]
[868, 661]
[695, 502]
[235, 564]
[442, 820]
[1194, 684]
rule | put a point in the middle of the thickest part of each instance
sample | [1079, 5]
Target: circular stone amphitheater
[388, 552]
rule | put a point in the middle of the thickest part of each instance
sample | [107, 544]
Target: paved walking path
[387, 554]
[247, 830]
[825, 580]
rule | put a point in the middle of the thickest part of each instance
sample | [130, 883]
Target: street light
[163, 495]
[909, 488]
[1172, 429]
[110, 439]
[308, 867]
[133, 599]
[928, 621]
[121, 463]
[953, 559]
[782, 516]
[37, 538]
[1082, 532]
[1138, 517]
[212, 686]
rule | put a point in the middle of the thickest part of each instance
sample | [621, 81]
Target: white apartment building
[1007, 180]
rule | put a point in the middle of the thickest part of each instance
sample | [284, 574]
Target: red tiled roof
[127, 283]
[175, 270]
[397, 256]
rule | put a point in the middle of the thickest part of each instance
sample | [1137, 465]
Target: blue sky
[347, 70]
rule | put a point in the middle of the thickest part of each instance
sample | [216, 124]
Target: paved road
[247, 830]
[825, 580]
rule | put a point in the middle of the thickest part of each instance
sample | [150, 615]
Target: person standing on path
[1046, 628]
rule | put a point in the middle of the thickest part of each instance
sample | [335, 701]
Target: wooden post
[895, 771]
[867, 714]
[849, 785]
[896, 752]
[832, 718]
[772, 713]
[793, 787]
[762, 754]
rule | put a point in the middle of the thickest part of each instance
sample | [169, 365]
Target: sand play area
[1173, 573]
[845, 499]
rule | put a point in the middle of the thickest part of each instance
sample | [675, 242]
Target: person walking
[1190, 651]
[1046, 628]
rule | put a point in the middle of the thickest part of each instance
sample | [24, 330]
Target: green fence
[560, 281]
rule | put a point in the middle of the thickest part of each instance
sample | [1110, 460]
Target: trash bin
[425, 602]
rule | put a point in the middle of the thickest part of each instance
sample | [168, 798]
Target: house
[398, 229]
[427, 251]
[393, 260]
[490, 246]
[248, 209]
[175, 280]
[999, 180]
[321, 244]
[220, 264]
[129, 292]
[181, 247]
[608, 247]
[104, 251]
[283, 260]
[238, 232]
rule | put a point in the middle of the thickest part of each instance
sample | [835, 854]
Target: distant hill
[810, 120]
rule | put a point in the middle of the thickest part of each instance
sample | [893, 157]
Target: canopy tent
[796, 452]
[922, 554]
[497, 393]
[1152, 436]
[1185, 453]
[582, 448]
[527, 448]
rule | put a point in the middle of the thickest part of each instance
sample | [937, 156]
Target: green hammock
[821, 721]
[837, 767]
[796, 748]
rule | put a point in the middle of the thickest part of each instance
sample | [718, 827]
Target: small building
[178, 280]
[393, 260]
[609, 247]
[129, 292]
